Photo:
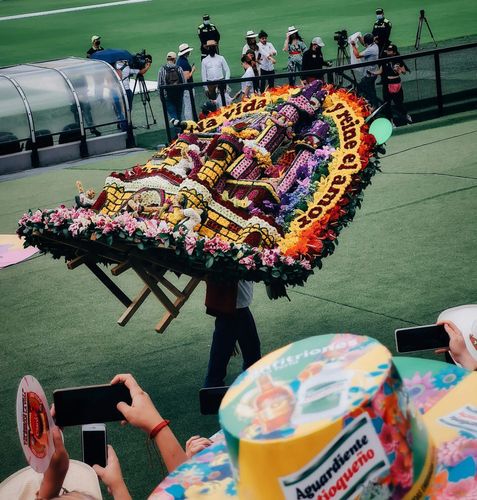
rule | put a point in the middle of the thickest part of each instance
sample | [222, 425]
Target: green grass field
[409, 253]
[160, 26]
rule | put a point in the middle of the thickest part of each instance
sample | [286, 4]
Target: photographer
[367, 84]
[124, 72]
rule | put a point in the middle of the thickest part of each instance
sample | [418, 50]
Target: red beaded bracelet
[156, 430]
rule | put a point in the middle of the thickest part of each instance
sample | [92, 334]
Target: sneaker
[408, 119]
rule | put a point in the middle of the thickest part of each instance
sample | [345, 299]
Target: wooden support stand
[154, 282]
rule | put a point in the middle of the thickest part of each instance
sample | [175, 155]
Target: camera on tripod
[341, 38]
[140, 59]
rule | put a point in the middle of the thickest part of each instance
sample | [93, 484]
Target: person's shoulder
[387, 21]
[201, 26]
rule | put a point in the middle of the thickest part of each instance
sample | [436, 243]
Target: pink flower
[248, 262]
[453, 452]
[190, 243]
[151, 228]
[269, 257]
[289, 261]
[401, 471]
[465, 489]
[305, 264]
[215, 244]
[387, 438]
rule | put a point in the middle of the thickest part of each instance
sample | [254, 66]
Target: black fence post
[437, 67]
[166, 116]
[192, 104]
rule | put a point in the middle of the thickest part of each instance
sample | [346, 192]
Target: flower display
[268, 183]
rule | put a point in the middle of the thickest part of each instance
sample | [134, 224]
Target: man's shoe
[408, 119]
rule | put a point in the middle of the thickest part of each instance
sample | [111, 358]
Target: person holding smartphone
[457, 348]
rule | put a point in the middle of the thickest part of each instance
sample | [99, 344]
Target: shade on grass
[409, 253]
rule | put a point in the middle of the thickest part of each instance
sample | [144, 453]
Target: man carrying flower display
[234, 323]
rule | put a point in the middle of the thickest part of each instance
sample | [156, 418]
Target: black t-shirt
[390, 75]
[382, 29]
[312, 60]
[92, 50]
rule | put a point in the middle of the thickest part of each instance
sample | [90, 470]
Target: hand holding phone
[140, 411]
[87, 405]
[93, 444]
[421, 338]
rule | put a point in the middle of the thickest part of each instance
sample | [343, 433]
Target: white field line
[71, 9]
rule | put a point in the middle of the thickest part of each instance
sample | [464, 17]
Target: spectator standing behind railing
[313, 59]
[188, 69]
[392, 88]
[295, 47]
[266, 60]
[214, 67]
[246, 88]
[172, 74]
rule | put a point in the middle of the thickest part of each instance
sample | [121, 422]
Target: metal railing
[424, 91]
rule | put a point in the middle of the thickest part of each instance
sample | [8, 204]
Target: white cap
[95, 37]
[318, 41]
[171, 55]
[251, 34]
[184, 49]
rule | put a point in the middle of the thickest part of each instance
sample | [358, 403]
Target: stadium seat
[9, 144]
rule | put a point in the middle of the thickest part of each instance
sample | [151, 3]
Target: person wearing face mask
[381, 31]
[214, 67]
[95, 46]
[207, 31]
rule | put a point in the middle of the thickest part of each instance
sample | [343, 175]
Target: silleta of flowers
[258, 190]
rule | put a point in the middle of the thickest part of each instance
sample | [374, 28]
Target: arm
[226, 68]
[355, 50]
[285, 45]
[55, 474]
[143, 414]
[218, 34]
[203, 71]
[145, 69]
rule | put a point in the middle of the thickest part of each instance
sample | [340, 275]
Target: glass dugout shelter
[60, 110]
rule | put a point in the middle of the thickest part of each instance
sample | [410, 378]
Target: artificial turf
[409, 253]
[160, 26]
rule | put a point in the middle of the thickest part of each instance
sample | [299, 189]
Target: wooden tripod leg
[178, 303]
[136, 304]
[108, 283]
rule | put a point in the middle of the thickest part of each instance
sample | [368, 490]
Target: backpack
[173, 78]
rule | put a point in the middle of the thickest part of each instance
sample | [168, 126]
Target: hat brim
[253, 35]
[185, 51]
[450, 468]
[292, 32]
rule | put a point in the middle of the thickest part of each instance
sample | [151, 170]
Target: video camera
[341, 38]
[140, 59]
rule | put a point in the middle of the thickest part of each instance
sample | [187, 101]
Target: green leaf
[209, 261]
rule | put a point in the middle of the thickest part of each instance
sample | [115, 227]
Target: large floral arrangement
[271, 180]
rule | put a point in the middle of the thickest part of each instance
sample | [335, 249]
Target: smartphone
[94, 444]
[210, 399]
[421, 338]
[87, 405]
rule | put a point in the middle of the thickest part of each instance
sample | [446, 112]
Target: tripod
[422, 19]
[342, 58]
[145, 99]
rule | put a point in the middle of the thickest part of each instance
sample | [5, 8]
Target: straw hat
[251, 34]
[184, 49]
[291, 30]
[23, 484]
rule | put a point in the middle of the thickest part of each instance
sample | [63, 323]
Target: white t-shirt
[215, 68]
[249, 84]
[126, 72]
[244, 294]
[265, 51]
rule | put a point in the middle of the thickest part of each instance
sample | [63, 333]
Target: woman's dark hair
[251, 52]
[262, 34]
[244, 58]
[295, 35]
